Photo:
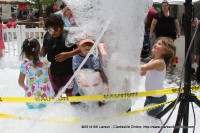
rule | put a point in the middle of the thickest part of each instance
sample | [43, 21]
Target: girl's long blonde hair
[170, 50]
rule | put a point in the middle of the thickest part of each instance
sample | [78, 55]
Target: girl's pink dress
[2, 46]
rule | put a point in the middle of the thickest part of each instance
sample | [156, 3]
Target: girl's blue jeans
[155, 100]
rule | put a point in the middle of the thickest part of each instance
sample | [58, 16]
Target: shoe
[76, 103]
[101, 103]
[30, 106]
[41, 106]
[129, 110]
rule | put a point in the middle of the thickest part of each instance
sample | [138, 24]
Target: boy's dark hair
[31, 49]
[165, 1]
[54, 20]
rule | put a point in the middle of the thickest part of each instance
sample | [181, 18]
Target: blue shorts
[155, 100]
[35, 105]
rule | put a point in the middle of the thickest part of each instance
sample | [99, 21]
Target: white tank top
[154, 79]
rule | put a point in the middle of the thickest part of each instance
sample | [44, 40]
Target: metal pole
[187, 76]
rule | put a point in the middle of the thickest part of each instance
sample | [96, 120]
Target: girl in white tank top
[163, 53]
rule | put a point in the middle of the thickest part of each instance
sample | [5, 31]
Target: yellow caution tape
[76, 120]
[96, 97]
[9, 116]
[145, 109]
[31, 99]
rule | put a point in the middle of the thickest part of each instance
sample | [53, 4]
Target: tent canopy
[174, 2]
[12, 1]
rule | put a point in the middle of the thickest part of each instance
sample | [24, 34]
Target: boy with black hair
[58, 53]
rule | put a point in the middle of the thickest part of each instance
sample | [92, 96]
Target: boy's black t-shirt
[54, 46]
[165, 25]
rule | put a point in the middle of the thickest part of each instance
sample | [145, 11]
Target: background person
[55, 7]
[67, 16]
[165, 23]
[2, 46]
[147, 42]
[151, 13]
[12, 23]
[195, 50]
[41, 22]
[31, 15]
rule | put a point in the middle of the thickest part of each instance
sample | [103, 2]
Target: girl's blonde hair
[170, 50]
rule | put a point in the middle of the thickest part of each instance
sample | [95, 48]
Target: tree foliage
[38, 4]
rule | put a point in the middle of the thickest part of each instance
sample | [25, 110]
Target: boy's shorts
[60, 81]
[35, 105]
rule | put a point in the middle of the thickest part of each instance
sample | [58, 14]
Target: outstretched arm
[127, 68]
[152, 65]
[64, 55]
